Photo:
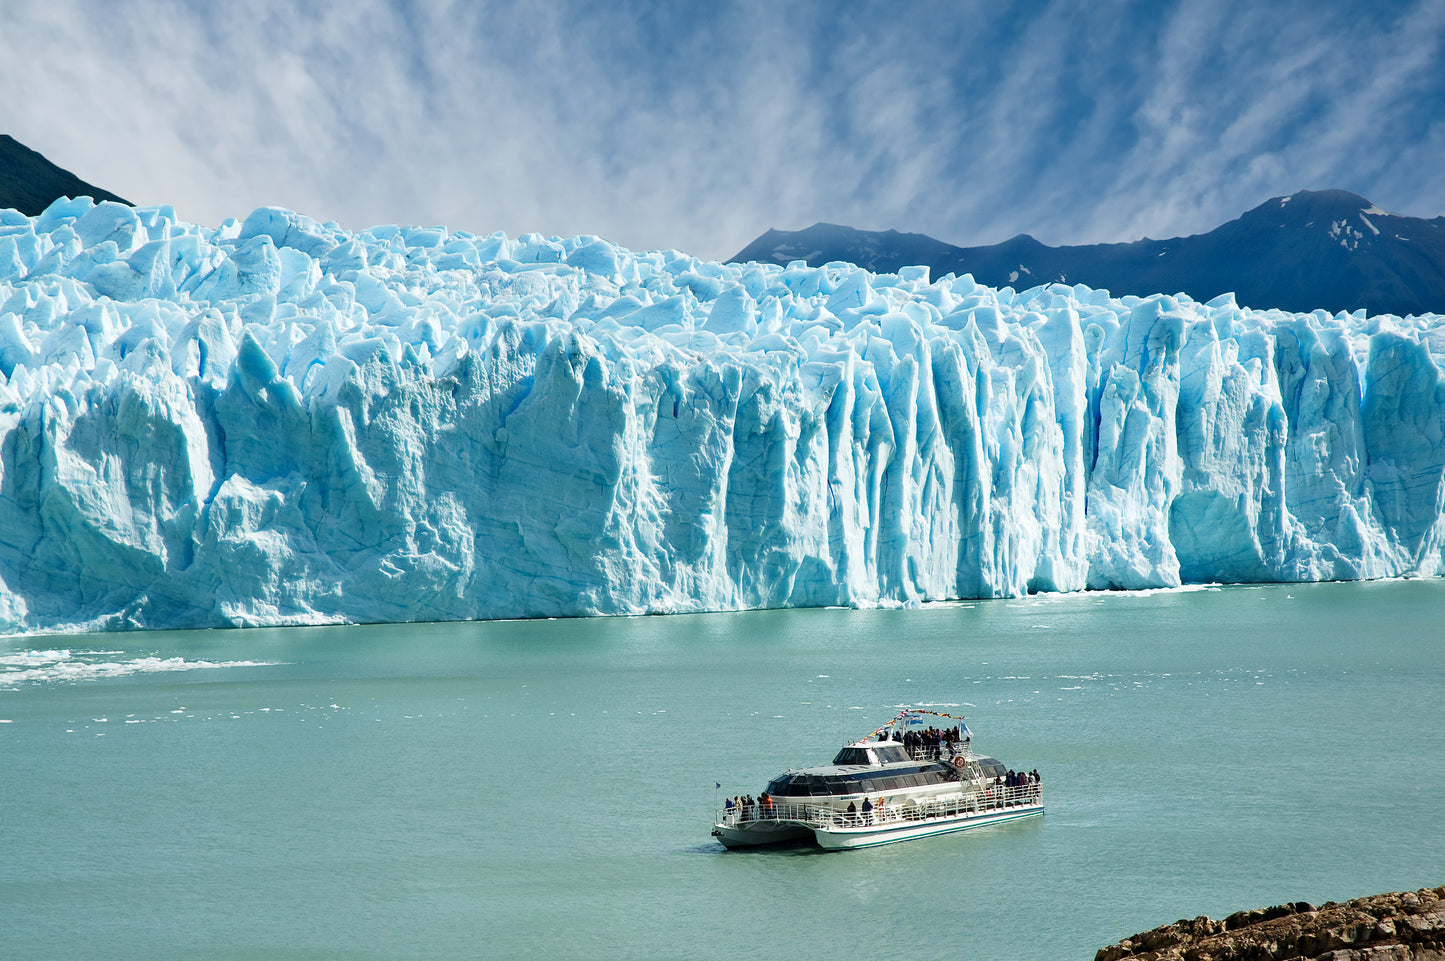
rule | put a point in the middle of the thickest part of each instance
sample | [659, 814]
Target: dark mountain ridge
[1327, 249]
[29, 183]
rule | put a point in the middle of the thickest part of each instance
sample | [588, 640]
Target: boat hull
[751, 834]
[850, 837]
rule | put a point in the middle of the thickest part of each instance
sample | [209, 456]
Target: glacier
[278, 421]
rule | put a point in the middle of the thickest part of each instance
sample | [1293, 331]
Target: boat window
[797, 785]
[851, 755]
[891, 752]
[815, 785]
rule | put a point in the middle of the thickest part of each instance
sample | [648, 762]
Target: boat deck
[827, 817]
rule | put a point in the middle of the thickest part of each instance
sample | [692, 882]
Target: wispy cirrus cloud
[664, 125]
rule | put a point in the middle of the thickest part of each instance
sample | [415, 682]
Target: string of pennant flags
[916, 711]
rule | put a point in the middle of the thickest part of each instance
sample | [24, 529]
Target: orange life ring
[959, 762]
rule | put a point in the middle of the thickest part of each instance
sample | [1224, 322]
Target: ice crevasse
[277, 421]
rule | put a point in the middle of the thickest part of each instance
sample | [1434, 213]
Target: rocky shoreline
[1402, 926]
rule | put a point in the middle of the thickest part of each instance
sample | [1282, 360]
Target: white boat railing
[815, 815]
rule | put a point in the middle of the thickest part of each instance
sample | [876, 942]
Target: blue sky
[697, 126]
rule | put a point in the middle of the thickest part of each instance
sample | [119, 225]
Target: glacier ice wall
[278, 422]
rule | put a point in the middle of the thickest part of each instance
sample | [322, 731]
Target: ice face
[280, 422]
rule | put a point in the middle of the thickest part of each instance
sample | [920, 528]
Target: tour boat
[911, 778]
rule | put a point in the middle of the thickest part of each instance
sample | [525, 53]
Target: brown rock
[1406, 926]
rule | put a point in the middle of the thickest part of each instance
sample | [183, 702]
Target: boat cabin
[849, 775]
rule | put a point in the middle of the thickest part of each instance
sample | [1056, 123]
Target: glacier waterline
[281, 422]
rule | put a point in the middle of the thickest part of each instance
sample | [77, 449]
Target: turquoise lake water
[544, 789]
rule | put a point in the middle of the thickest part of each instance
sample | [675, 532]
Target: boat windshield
[883, 752]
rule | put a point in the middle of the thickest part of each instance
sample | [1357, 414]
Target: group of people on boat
[744, 808]
[928, 744]
[1020, 779]
[864, 815]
